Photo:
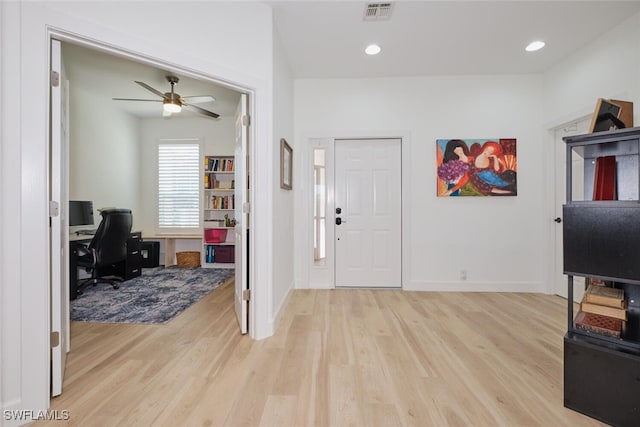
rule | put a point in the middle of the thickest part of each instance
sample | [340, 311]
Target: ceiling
[110, 76]
[326, 39]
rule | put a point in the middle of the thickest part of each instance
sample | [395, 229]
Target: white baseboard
[277, 315]
[469, 286]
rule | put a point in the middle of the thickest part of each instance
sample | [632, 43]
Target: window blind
[178, 185]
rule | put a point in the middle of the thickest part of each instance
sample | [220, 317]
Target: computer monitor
[80, 212]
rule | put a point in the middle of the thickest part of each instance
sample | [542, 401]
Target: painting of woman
[480, 167]
[454, 167]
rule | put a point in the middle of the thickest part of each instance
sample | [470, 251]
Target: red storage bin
[224, 254]
[215, 235]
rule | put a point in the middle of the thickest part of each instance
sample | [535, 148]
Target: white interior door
[241, 215]
[58, 238]
[368, 207]
[560, 148]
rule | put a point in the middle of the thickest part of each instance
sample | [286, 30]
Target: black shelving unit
[602, 241]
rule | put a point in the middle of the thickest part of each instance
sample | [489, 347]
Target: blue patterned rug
[157, 296]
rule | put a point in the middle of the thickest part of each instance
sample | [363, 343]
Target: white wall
[104, 154]
[607, 68]
[230, 41]
[217, 137]
[10, 188]
[497, 240]
[503, 243]
[283, 209]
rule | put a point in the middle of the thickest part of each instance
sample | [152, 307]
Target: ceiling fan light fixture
[173, 102]
[170, 107]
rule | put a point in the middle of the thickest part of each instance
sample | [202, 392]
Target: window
[319, 204]
[178, 184]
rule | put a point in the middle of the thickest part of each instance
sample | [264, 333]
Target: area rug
[157, 296]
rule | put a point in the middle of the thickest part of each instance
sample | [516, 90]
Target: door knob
[340, 221]
[558, 220]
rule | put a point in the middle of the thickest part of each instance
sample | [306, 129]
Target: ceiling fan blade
[202, 110]
[199, 99]
[136, 99]
[150, 89]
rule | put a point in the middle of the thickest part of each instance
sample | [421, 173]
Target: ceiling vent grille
[377, 11]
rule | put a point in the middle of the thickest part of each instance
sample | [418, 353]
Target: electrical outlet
[463, 274]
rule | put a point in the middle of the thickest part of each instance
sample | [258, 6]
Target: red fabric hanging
[604, 185]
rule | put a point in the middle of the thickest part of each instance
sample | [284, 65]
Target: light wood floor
[339, 357]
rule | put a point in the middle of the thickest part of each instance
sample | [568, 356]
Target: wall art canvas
[476, 167]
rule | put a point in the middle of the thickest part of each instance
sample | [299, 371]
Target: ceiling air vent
[377, 11]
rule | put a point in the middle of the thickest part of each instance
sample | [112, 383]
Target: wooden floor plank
[339, 357]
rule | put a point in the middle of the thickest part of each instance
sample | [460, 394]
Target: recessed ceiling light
[533, 46]
[372, 49]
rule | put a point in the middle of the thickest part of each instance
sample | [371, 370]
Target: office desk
[128, 269]
[80, 238]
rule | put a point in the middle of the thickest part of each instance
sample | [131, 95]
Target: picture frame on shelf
[286, 165]
[606, 116]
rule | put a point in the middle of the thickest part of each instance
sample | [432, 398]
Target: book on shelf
[221, 202]
[603, 295]
[213, 164]
[598, 324]
[616, 312]
[598, 282]
[209, 254]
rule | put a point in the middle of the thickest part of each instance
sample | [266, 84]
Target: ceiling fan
[173, 102]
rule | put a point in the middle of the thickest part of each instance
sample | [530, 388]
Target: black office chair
[107, 249]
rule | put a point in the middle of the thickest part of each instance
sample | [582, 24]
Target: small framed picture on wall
[286, 165]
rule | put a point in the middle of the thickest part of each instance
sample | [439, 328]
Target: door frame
[57, 175]
[558, 183]
[65, 37]
[307, 275]
[242, 215]
[334, 214]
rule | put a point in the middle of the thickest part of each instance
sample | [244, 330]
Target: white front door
[368, 213]
[560, 148]
[58, 237]
[241, 214]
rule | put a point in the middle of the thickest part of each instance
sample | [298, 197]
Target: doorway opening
[576, 127]
[130, 118]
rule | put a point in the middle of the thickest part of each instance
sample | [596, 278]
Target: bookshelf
[601, 242]
[218, 209]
